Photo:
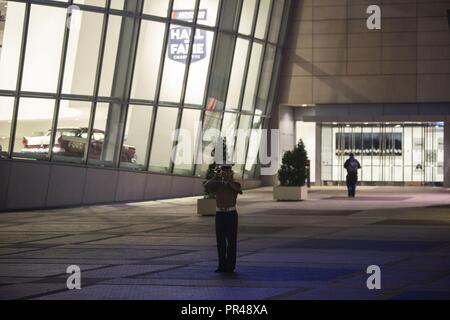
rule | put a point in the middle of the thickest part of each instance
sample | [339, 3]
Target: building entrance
[389, 153]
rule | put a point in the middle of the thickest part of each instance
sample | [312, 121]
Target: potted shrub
[292, 175]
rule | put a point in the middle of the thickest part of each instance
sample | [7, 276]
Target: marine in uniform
[226, 191]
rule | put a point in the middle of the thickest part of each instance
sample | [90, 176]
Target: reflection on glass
[72, 131]
[10, 42]
[42, 58]
[33, 130]
[161, 153]
[137, 134]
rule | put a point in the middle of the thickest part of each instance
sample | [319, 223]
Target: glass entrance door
[389, 153]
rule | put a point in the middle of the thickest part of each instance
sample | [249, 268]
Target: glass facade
[111, 82]
[388, 152]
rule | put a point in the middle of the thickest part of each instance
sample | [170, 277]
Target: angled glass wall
[114, 83]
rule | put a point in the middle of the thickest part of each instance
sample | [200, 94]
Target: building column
[447, 155]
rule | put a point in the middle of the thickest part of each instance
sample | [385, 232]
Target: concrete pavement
[317, 249]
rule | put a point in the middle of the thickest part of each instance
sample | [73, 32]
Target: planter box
[290, 193]
[206, 207]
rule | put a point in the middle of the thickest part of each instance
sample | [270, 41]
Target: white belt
[226, 209]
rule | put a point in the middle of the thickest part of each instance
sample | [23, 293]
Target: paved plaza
[317, 249]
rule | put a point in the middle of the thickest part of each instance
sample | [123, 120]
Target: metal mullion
[126, 95]
[62, 67]
[158, 88]
[26, 22]
[97, 84]
[208, 80]
[184, 86]
[7, 93]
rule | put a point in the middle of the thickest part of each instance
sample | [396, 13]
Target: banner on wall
[179, 38]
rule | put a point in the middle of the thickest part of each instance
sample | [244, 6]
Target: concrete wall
[39, 185]
[332, 57]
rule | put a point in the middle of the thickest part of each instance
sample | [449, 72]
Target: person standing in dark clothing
[352, 165]
[226, 191]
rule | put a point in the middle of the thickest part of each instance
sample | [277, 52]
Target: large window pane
[43, 51]
[242, 139]
[148, 60]
[220, 72]
[211, 120]
[156, 7]
[82, 53]
[33, 130]
[273, 85]
[117, 4]
[97, 3]
[189, 129]
[207, 14]
[266, 77]
[237, 74]
[183, 10]
[263, 18]
[247, 17]
[252, 77]
[6, 111]
[106, 134]
[253, 147]
[137, 134]
[72, 131]
[10, 42]
[229, 127]
[175, 63]
[198, 72]
[166, 119]
[110, 55]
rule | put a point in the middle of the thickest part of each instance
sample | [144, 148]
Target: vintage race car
[71, 142]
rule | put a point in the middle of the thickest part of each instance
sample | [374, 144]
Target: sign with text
[179, 37]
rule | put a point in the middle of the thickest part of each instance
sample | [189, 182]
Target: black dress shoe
[229, 271]
[219, 270]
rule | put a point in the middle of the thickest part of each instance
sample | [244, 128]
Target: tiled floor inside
[317, 249]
